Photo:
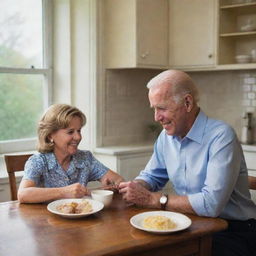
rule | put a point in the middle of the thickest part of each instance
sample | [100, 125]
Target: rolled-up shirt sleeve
[222, 171]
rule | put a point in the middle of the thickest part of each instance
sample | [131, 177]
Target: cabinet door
[136, 33]
[251, 165]
[152, 32]
[5, 193]
[130, 165]
[192, 33]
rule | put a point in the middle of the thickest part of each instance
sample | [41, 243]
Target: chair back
[14, 163]
[252, 182]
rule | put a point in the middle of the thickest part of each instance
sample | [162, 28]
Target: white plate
[181, 221]
[52, 207]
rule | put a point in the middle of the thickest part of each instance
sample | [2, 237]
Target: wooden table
[30, 230]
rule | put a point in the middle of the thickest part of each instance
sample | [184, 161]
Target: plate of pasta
[75, 208]
[160, 222]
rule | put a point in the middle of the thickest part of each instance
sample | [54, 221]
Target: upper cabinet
[182, 34]
[136, 33]
[237, 33]
[192, 33]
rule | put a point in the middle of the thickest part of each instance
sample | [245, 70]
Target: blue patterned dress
[45, 171]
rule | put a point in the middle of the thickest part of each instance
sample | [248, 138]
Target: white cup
[104, 196]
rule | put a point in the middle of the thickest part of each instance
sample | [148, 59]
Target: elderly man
[203, 159]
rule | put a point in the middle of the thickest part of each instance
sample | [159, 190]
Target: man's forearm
[179, 204]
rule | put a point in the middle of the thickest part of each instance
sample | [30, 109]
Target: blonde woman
[60, 169]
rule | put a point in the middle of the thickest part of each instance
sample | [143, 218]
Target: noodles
[73, 207]
[158, 222]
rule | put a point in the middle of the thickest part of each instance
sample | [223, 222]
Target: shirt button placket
[183, 166]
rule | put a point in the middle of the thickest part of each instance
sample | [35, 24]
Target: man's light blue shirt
[207, 165]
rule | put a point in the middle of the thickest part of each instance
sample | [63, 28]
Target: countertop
[121, 150]
[125, 149]
[250, 148]
[145, 148]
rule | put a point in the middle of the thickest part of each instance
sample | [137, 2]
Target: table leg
[205, 246]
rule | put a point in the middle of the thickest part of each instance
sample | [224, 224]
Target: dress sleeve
[34, 168]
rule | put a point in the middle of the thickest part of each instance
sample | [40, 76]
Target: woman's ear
[49, 138]
[189, 101]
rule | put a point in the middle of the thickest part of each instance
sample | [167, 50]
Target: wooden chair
[252, 182]
[14, 163]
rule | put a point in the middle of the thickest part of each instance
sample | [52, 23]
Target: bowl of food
[243, 58]
[103, 196]
[160, 222]
[74, 207]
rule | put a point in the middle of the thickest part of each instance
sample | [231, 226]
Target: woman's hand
[28, 193]
[75, 190]
[111, 180]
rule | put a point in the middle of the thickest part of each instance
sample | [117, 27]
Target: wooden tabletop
[30, 230]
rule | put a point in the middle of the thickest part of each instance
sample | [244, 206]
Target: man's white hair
[180, 84]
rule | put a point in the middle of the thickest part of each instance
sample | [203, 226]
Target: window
[25, 70]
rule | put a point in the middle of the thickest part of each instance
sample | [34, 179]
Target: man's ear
[189, 101]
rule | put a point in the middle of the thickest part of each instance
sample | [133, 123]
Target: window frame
[28, 144]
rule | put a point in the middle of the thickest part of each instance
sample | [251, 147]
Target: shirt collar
[196, 132]
[79, 159]
[52, 162]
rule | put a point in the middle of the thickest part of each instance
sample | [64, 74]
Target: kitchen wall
[74, 54]
[127, 107]
[127, 111]
[221, 95]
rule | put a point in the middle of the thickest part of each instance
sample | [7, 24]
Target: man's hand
[134, 192]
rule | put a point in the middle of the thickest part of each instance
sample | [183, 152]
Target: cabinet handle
[210, 56]
[144, 55]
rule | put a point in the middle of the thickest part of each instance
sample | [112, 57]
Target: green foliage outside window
[20, 99]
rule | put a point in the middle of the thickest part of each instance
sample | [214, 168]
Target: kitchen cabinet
[192, 33]
[136, 33]
[131, 165]
[4, 191]
[181, 34]
[237, 31]
[250, 159]
[5, 194]
[128, 161]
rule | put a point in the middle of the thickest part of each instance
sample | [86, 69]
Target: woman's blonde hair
[57, 116]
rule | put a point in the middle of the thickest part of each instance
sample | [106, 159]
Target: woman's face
[66, 140]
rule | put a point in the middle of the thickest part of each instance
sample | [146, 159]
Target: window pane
[21, 33]
[21, 101]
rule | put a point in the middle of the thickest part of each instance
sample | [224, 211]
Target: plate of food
[75, 208]
[160, 222]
